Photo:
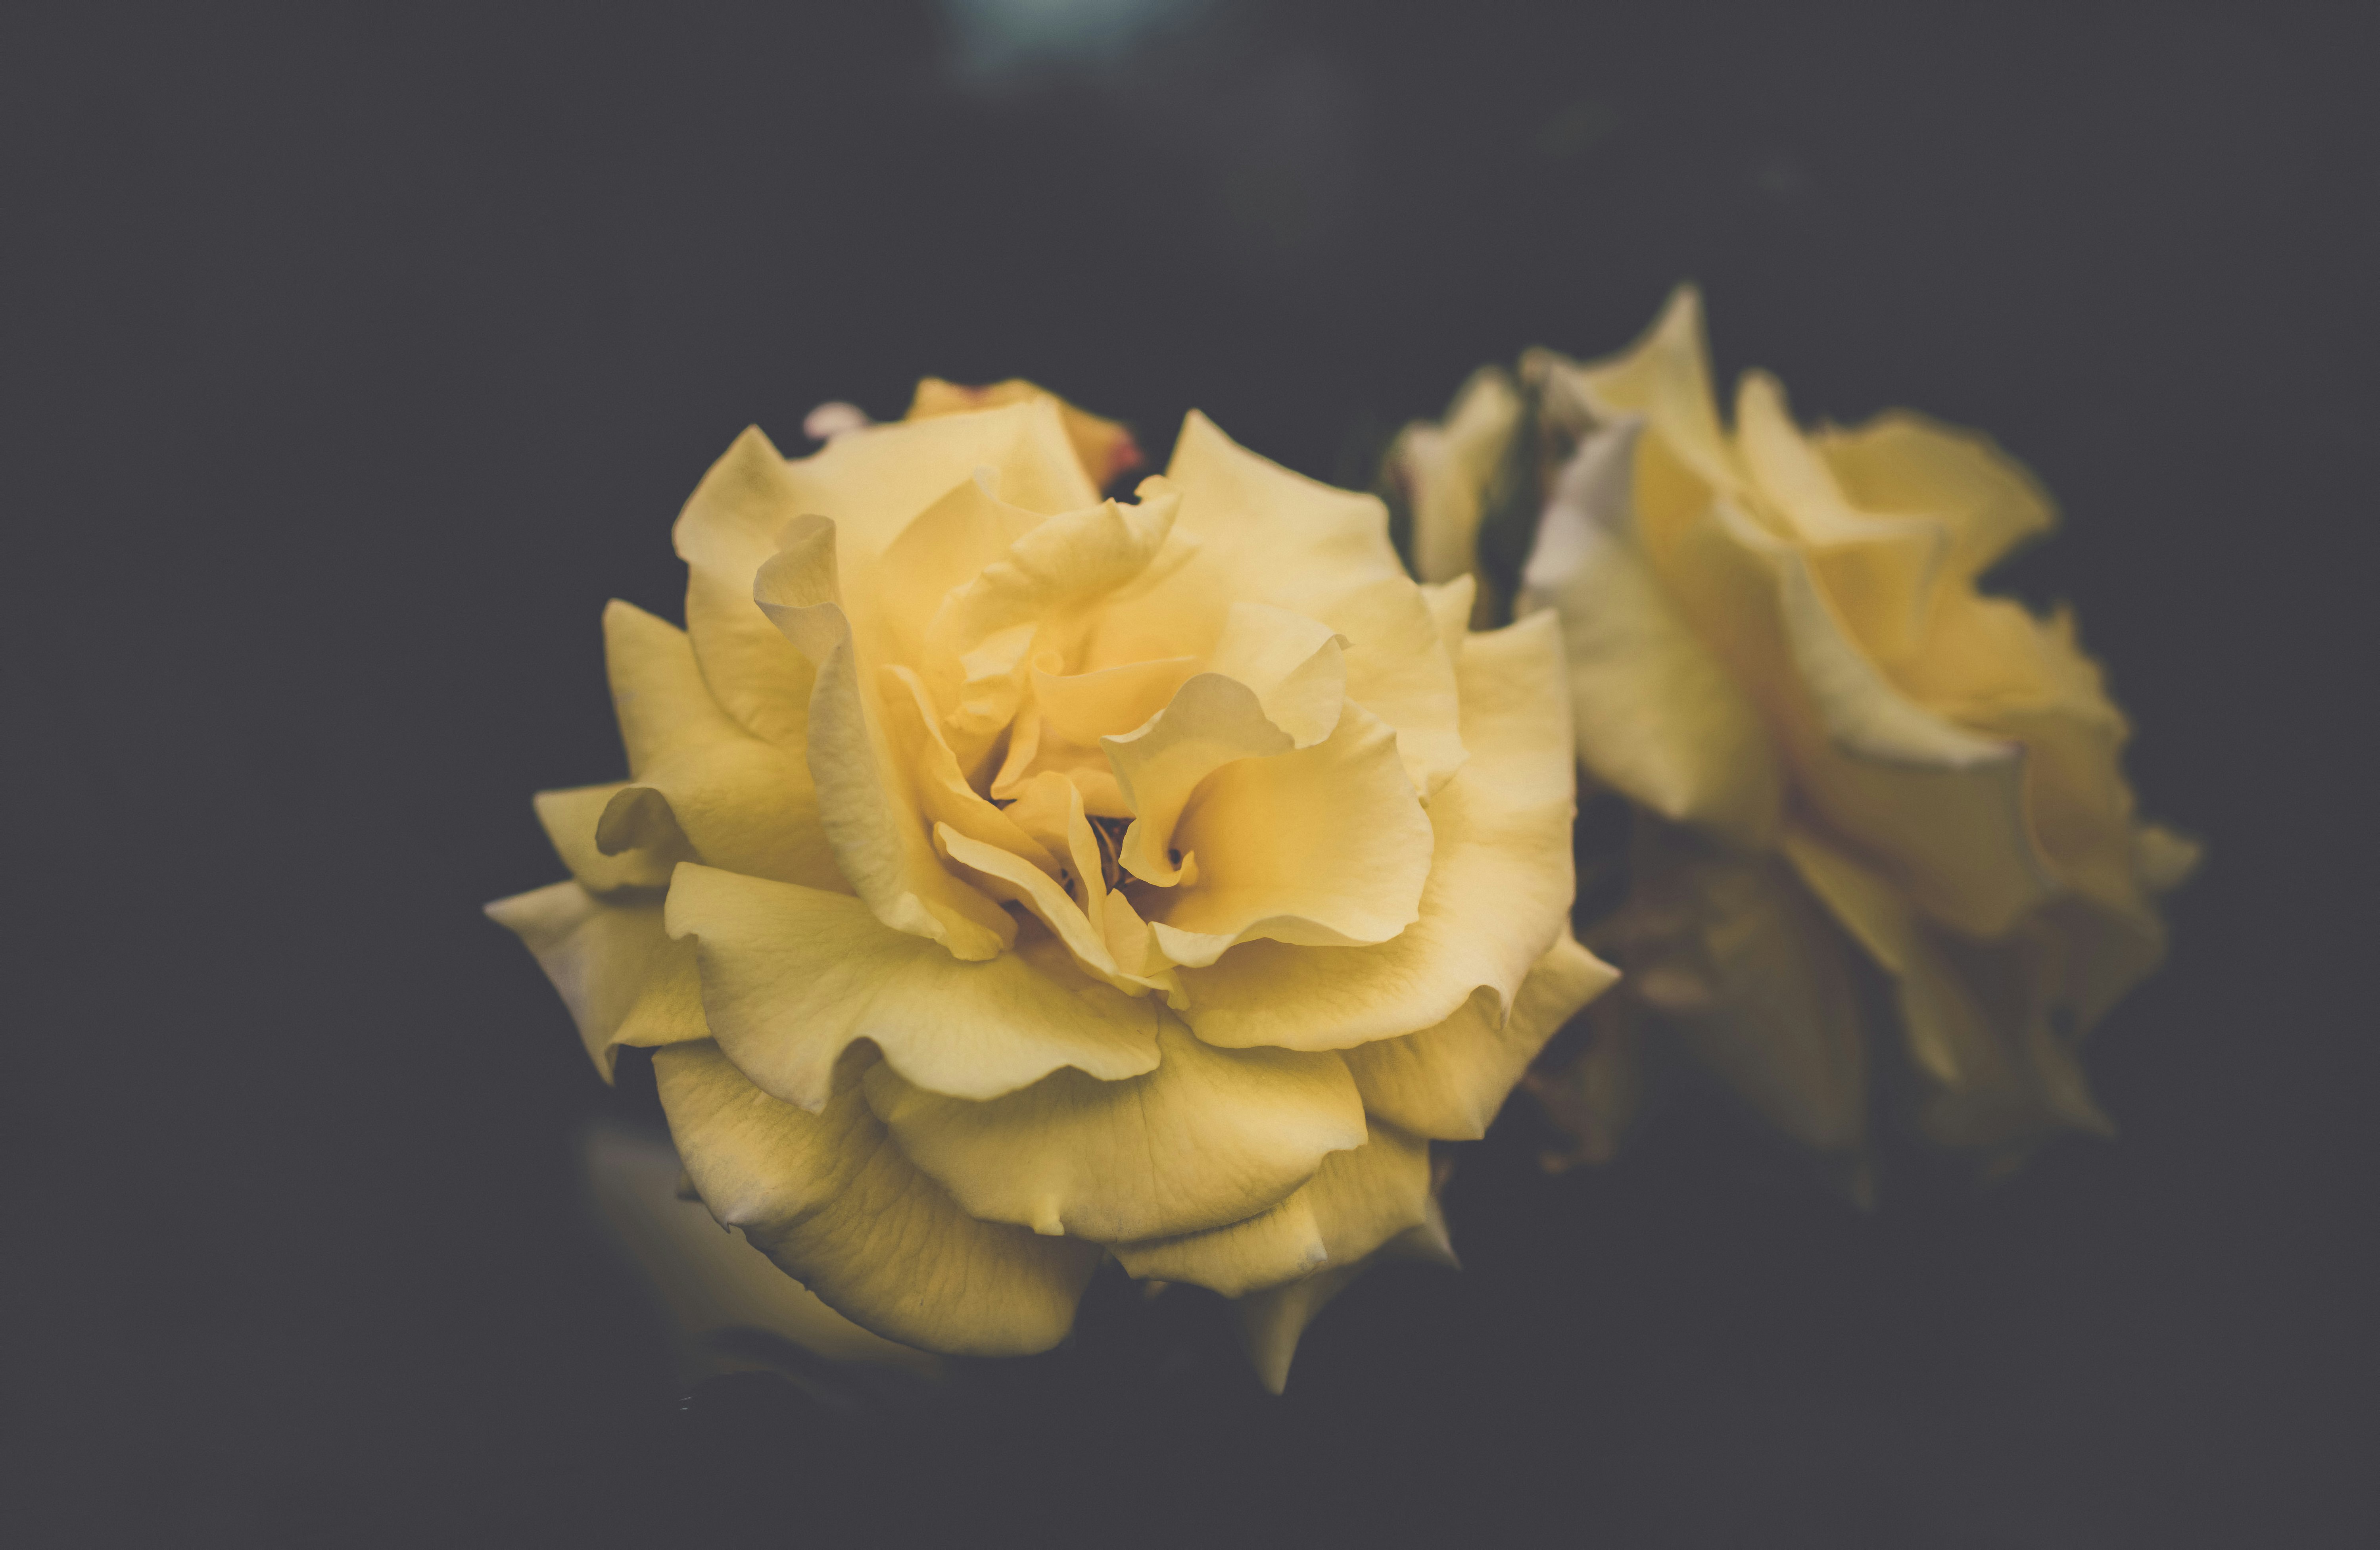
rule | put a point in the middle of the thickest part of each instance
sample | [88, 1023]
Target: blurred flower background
[358, 354]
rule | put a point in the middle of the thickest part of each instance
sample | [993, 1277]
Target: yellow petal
[1272, 1321]
[945, 547]
[1270, 535]
[1660, 716]
[1878, 570]
[1949, 1035]
[570, 818]
[1059, 729]
[1905, 463]
[1325, 846]
[1449, 468]
[1210, 722]
[1450, 609]
[1358, 1201]
[985, 637]
[791, 977]
[702, 782]
[624, 979]
[1497, 892]
[1296, 666]
[1665, 378]
[726, 532]
[1208, 1137]
[840, 1209]
[872, 482]
[1447, 1082]
[716, 1286]
[1399, 668]
[1104, 447]
[867, 805]
[1942, 806]
[1759, 988]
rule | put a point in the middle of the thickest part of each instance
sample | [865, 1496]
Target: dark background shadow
[355, 356]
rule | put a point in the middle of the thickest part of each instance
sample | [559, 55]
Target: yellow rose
[1836, 744]
[1009, 879]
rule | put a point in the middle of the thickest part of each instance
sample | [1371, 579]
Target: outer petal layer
[831, 1200]
[792, 977]
[1447, 1082]
[624, 979]
[1208, 1137]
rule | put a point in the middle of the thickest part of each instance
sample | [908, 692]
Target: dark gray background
[356, 355]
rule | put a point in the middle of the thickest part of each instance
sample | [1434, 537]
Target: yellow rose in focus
[1837, 746]
[1009, 879]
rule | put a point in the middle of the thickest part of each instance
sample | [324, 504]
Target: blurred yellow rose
[1009, 879]
[1836, 745]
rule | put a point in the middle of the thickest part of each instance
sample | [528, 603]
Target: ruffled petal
[1660, 716]
[1105, 448]
[791, 977]
[1449, 469]
[624, 979]
[1755, 984]
[833, 1201]
[1210, 722]
[725, 533]
[873, 482]
[1497, 892]
[570, 819]
[1357, 1200]
[866, 803]
[1880, 570]
[1902, 461]
[1664, 378]
[1270, 535]
[988, 632]
[704, 789]
[1399, 668]
[1447, 1083]
[1208, 1138]
[1325, 846]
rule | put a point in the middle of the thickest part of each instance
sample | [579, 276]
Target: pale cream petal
[833, 1201]
[1497, 894]
[1448, 469]
[1357, 1202]
[570, 818]
[874, 482]
[868, 804]
[1880, 570]
[791, 977]
[1324, 845]
[944, 794]
[702, 781]
[1447, 1083]
[1660, 716]
[1270, 535]
[624, 979]
[1399, 668]
[1208, 1138]
[1902, 461]
[726, 532]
